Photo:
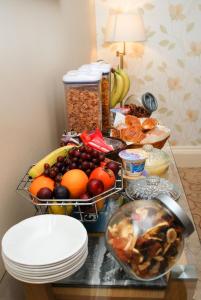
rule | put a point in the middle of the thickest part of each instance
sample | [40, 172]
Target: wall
[39, 41]
[168, 64]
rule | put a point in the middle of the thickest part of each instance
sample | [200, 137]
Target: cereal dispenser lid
[178, 212]
[103, 67]
[81, 77]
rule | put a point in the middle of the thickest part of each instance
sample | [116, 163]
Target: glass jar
[147, 236]
[157, 162]
[142, 108]
[83, 101]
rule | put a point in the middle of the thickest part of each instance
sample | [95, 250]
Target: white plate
[46, 272]
[44, 239]
[48, 266]
[46, 280]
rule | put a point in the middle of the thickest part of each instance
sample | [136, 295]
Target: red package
[95, 140]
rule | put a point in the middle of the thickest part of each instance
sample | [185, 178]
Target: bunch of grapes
[57, 170]
[85, 158]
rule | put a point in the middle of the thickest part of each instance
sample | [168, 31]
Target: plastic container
[147, 236]
[105, 92]
[83, 101]
[133, 161]
[157, 162]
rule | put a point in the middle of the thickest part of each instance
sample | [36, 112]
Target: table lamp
[124, 27]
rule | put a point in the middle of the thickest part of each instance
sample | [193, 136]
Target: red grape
[95, 154]
[89, 150]
[71, 152]
[72, 166]
[101, 157]
[114, 166]
[82, 149]
[46, 166]
[52, 173]
[88, 156]
[85, 165]
[55, 169]
[74, 159]
[59, 165]
[60, 159]
[64, 169]
[83, 155]
[47, 172]
[67, 161]
[95, 160]
[76, 153]
[58, 178]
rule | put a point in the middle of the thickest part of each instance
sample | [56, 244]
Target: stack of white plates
[45, 248]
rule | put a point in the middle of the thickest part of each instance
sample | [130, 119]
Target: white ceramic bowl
[45, 271]
[41, 280]
[44, 240]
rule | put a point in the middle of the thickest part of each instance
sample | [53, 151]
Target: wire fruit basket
[83, 210]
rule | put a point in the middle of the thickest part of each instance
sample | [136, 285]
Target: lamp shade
[125, 27]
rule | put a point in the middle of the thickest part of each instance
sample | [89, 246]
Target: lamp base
[121, 56]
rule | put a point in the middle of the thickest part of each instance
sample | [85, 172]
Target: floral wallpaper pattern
[167, 64]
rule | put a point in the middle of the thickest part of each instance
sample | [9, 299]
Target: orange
[39, 183]
[76, 182]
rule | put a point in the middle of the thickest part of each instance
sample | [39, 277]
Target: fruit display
[146, 238]
[120, 88]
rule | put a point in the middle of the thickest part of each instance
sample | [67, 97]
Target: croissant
[149, 124]
[132, 121]
[132, 135]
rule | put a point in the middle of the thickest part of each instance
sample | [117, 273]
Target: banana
[51, 159]
[118, 87]
[126, 80]
[60, 210]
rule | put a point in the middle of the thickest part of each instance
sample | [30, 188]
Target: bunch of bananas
[120, 86]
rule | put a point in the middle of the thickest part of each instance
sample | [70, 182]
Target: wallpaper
[167, 64]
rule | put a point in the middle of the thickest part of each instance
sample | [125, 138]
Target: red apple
[95, 187]
[114, 166]
[84, 196]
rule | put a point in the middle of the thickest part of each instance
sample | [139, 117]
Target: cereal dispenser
[83, 101]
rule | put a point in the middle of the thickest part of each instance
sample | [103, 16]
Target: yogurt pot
[133, 161]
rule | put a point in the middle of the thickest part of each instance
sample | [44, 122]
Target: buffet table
[102, 278]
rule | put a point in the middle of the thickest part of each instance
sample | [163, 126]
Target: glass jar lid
[150, 187]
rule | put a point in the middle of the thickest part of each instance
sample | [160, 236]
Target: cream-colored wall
[39, 41]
